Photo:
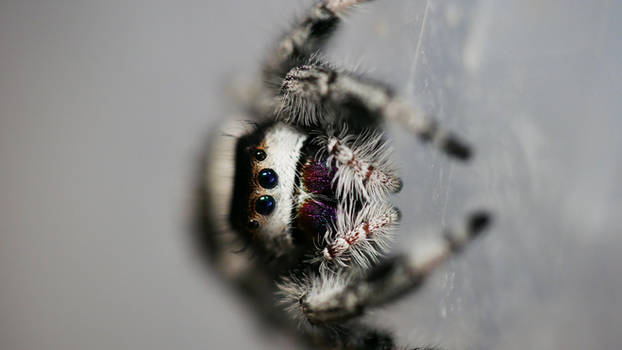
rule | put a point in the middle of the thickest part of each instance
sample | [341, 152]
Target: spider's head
[251, 176]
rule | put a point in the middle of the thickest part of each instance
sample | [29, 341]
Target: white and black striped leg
[308, 86]
[306, 37]
[395, 277]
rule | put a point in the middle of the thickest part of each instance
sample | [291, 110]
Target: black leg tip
[478, 222]
[398, 213]
[457, 149]
[399, 186]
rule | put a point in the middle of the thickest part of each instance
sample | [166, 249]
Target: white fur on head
[282, 145]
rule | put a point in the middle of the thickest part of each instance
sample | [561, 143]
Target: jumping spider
[306, 187]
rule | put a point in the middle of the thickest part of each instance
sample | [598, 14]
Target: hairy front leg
[317, 94]
[333, 297]
[305, 38]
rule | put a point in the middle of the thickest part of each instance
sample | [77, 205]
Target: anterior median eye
[265, 205]
[268, 178]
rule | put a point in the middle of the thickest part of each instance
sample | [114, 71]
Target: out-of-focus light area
[105, 106]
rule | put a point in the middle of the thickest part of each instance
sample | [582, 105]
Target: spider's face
[254, 184]
[267, 184]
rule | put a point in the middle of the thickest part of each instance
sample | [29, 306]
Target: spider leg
[338, 296]
[362, 239]
[305, 38]
[358, 336]
[363, 162]
[307, 89]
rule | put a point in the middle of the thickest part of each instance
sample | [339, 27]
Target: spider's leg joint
[476, 224]
[455, 147]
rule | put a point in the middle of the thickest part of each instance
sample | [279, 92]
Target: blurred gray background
[105, 105]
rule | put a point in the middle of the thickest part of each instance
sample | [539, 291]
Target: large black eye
[268, 178]
[265, 205]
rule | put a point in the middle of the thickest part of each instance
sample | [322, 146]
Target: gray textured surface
[104, 105]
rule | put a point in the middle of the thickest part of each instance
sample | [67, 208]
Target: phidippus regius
[306, 186]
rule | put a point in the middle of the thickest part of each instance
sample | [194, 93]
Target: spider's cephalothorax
[307, 187]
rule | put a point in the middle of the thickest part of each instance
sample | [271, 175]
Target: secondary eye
[260, 154]
[265, 205]
[252, 224]
[268, 178]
